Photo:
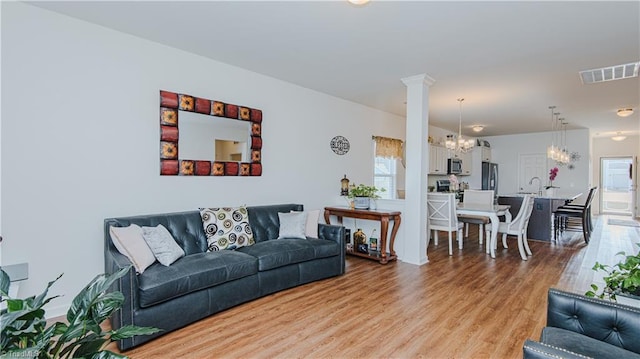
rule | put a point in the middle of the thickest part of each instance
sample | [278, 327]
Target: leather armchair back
[599, 319]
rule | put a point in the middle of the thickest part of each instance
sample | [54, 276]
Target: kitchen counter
[541, 220]
[561, 196]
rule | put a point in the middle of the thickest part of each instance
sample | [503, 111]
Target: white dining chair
[441, 211]
[479, 197]
[518, 227]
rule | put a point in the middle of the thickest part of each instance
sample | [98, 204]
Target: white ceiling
[509, 60]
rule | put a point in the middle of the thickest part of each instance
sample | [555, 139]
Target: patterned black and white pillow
[226, 228]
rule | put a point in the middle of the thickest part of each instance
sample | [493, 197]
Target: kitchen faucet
[539, 184]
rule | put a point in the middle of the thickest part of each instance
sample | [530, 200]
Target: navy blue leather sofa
[582, 327]
[203, 283]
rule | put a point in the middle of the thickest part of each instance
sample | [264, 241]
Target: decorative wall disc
[340, 145]
[575, 157]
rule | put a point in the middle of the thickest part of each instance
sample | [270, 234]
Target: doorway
[616, 179]
[532, 166]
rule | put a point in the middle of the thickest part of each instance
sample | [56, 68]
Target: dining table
[491, 211]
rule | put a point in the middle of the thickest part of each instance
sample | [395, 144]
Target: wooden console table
[378, 215]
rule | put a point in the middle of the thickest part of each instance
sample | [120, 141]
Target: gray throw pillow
[292, 225]
[162, 244]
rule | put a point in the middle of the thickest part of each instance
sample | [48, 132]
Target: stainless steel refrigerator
[490, 176]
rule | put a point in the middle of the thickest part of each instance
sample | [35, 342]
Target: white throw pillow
[292, 225]
[131, 244]
[313, 218]
[162, 244]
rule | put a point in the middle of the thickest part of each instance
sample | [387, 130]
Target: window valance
[388, 147]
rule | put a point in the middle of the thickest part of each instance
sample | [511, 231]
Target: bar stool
[581, 206]
[575, 218]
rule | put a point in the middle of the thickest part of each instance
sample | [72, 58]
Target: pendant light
[552, 150]
[457, 143]
[558, 150]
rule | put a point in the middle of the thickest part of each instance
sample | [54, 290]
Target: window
[385, 176]
[387, 153]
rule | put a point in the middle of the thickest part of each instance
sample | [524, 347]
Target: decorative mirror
[214, 138]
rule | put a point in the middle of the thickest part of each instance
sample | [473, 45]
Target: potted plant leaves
[362, 194]
[24, 332]
[622, 280]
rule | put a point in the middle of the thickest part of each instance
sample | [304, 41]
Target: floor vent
[610, 73]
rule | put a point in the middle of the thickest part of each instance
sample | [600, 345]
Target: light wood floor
[462, 306]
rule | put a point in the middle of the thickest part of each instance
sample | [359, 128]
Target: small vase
[551, 192]
[361, 202]
[359, 237]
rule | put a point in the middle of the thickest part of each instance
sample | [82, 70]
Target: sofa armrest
[536, 350]
[599, 319]
[334, 233]
[127, 285]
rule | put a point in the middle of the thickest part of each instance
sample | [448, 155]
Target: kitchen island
[541, 221]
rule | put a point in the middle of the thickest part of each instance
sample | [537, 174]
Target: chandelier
[559, 152]
[458, 143]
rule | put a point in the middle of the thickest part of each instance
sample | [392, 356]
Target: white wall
[606, 147]
[80, 140]
[505, 151]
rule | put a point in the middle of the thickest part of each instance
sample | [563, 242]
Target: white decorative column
[414, 218]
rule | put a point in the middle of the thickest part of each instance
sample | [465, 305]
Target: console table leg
[394, 230]
[384, 226]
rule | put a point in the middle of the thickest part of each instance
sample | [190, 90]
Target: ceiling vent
[610, 73]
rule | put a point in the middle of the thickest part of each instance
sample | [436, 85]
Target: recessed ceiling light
[358, 2]
[625, 112]
[618, 137]
[477, 128]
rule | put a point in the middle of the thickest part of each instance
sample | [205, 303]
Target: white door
[634, 186]
[529, 167]
[617, 185]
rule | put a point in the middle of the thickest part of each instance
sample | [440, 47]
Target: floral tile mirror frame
[171, 104]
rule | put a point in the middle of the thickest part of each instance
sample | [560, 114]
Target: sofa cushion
[583, 344]
[226, 228]
[192, 273]
[281, 252]
[324, 248]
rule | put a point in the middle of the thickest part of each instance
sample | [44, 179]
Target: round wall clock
[340, 145]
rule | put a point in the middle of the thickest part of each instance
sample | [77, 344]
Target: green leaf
[40, 299]
[14, 305]
[9, 318]
[105, 305]
[89, 346]
[106, 354]
[5, 282]
[84, 300]
[128, 331]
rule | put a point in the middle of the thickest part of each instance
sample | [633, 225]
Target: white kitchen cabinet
[467, 164]
[437, 160]
[486, 154]
[466, 159]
